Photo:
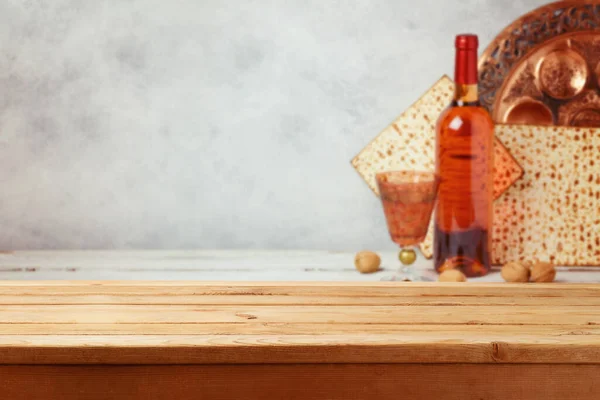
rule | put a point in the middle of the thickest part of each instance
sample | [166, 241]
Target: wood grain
[311, 381]
[290, 349]
[184, 314]
[191, 340]
[215, 323]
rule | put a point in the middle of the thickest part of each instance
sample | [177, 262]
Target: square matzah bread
[553, 213]
[409, 144]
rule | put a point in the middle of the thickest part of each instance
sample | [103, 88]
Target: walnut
[452, 275]
[367, 262]
[543, 272]
[516, 272]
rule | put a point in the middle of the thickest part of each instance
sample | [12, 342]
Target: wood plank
[183, 314]
[320, 289]
[157, 293]
[284, 349]
[165, 299]
[317, 382]
[458, 332]
[383, 287]
[205, 295]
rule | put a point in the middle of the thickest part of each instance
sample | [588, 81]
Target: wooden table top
[282, 323]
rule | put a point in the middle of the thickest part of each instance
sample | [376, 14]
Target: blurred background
[211, 123]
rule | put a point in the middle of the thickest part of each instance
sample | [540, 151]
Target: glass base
[407, 278]
[407, 274]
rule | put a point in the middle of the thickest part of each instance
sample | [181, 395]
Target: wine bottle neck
[466, 95]
[466, 66]
[466, 73]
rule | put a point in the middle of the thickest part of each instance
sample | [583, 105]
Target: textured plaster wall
[210, 123]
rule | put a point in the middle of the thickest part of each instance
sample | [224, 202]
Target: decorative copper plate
[544, 69]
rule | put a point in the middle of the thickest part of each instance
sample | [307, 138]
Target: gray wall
[210, 123]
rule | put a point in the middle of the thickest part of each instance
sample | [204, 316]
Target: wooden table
[304, 340]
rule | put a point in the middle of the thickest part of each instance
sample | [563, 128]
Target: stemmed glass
[408, 198]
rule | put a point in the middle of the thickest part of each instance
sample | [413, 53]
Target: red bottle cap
[466, 59]
[467, 42]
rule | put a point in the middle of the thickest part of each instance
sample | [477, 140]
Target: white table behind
[204, 265]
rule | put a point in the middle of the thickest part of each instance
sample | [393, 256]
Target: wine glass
[408, 198]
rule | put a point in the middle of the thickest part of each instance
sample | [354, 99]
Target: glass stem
[407, 257]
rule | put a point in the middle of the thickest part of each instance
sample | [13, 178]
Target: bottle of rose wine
[464, 162]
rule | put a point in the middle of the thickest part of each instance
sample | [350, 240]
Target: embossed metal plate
[544, 69]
